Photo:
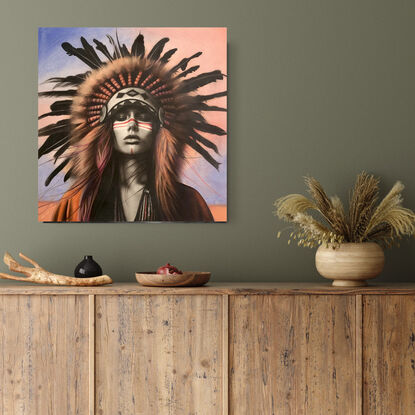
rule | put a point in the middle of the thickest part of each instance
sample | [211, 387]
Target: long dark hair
[100, 175]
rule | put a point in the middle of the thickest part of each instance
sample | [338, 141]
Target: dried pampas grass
[323, 219]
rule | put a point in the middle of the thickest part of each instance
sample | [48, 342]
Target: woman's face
[133, 130]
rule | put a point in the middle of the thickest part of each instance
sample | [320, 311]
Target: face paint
[133, 130]
[143, 125]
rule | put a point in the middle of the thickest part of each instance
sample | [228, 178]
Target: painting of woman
[126, 124]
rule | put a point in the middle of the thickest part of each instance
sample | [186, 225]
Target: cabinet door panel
[43, 355]
[159, 355]
[389, 354]
[292, 354]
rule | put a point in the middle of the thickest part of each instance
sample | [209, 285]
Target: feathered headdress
[125, 76]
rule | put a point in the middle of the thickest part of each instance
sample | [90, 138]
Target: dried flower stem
[364, 221]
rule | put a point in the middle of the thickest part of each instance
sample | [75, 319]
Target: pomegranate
[168, 269]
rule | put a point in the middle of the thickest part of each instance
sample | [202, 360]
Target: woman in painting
[129, 120]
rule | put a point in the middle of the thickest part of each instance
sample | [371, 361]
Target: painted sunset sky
[53, 61]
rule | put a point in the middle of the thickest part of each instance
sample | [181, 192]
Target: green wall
[325, 88]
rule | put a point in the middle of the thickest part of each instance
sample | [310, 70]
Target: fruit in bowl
[168, 270]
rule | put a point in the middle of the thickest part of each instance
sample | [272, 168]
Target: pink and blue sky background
[53, 61]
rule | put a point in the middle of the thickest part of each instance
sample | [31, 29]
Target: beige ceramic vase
[350, 264]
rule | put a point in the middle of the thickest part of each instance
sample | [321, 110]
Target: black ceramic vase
[87, 268]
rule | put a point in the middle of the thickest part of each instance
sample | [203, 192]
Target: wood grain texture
[43, 355]
[159, 355]
[185, 279]
[389, 355]
[350, 264]
[39, 275]
[91, 350]
[359, 354]
[225, 354]
[292, 355]
[227, 288]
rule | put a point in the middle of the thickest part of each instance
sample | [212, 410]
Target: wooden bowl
[350, 264]
[187, 279]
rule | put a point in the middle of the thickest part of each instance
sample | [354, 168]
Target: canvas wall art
[132, 125]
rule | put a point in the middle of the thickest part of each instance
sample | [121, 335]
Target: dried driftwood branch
[41, 276]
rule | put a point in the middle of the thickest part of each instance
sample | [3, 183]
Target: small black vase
[87, 268]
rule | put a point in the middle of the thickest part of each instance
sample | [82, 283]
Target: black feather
[61, 151]
[80, 54]
[166, 57]
[182, 118]
[90, 52]
[205, 107]
[117, 52]
[53, 142]
[207, 143]
[198, 81]
[103, 49]
[183, 63]
[201, 98]
[197, 117]
[54, 114]
[62, 126]
[157, 49]
[187, 71]
[201, 106]
[61, 93]
[204, 153]
[208, 128]
[58, 108]
[68, 174]
[72, 80]
[138, 48]
[56, 171]
[124, 50]
[61, 105]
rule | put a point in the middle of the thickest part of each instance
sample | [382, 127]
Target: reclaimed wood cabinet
[237, 349]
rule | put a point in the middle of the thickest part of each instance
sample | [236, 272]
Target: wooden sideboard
[256, 348]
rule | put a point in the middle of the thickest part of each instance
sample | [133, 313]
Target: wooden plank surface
[359, 354]
[91, 350]
[225, 354]
[389, 355]
[292, 355]
[159, 355]
[43, 355]
[213, 288]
